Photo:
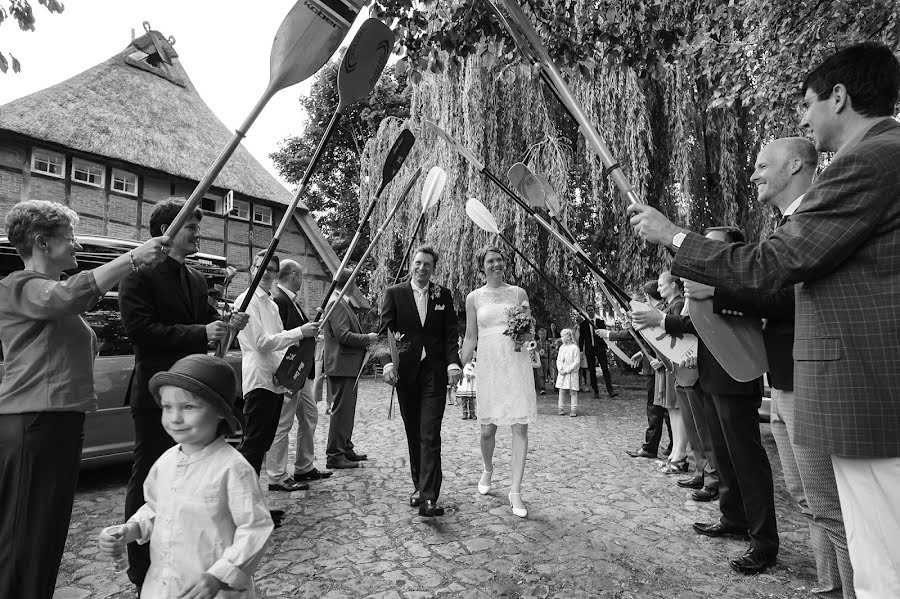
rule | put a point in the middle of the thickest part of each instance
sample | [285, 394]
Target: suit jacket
[292, 316]
[439, 335]
[345, 343]
[843, 248]
[585, 333]
[162, 322]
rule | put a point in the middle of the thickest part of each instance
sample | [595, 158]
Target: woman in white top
[506, 395]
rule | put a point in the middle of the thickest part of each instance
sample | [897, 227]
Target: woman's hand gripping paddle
[431, 193]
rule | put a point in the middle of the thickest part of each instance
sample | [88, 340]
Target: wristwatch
[678, 239]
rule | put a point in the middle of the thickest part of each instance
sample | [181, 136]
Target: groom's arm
[451, 332]
[388, 321]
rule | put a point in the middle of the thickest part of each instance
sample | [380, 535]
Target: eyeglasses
[269, 269]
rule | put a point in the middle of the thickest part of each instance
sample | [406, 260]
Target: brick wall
[122, 209]
[12, 155]
[291, 243]
[156, 189]
[121, 231]
[45, 188]
[261, 236]
[212, 227]
[238, 255]
[212, 246]
[238, 231]
[10, 191]
[84, 199]
[312, 267]
[88, 225]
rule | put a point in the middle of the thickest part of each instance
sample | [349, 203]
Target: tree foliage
[333, 193]
[683, 92]
[21, 11]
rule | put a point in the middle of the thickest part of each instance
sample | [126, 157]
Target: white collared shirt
[263, 342]
[793, 207]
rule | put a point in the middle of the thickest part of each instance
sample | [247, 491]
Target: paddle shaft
[409, 247]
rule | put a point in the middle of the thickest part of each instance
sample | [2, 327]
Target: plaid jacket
[842, 247]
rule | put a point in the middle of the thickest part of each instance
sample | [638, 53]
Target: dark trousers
[746, 492]
[343, 417]
[150, 441]
[39, 459]
[262, 411]
[592, 360]
[694, 404]
[656, 417]
[422, 407]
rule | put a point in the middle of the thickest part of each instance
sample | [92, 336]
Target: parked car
[109, 432]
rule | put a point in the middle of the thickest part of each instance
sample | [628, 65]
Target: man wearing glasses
[263, 343]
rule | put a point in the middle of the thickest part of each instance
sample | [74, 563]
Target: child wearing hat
[204, 513]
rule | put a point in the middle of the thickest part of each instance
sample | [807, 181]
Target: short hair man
[167, 316]
[300, 404]
[594, 349]
[841, 246]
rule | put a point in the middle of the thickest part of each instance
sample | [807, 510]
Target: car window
[106, 321]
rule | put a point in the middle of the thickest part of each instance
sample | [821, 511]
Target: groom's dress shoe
[429, 508]
[357, 457]
[705, 494]
[717, 529]
[754, 561]
[415, 500]
[694, 482]
[341, 462]
[642, 453]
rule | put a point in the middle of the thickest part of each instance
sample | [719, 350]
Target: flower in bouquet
[519, 325]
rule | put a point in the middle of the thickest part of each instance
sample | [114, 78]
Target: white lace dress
[505, 378]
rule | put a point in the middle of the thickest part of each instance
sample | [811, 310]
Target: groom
[422, 312]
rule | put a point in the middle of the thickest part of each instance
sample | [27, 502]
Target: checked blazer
[842, 248]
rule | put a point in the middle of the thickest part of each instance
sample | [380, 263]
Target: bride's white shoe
[484, 483]
[521, 512]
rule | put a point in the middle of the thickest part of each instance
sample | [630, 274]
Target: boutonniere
[435, 292]
[398, 336]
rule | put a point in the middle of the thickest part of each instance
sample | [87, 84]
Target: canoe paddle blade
[481, 216]
[433, 187]
[550, 195]
[432, 126]
[396, 157]
[363, 62]
[309, 35]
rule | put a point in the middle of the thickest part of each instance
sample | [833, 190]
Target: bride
[505, 379]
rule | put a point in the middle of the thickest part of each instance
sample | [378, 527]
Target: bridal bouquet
[519, 325]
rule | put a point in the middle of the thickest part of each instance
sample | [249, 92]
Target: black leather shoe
[277, 516]
[717, 529]
[705, 494]
[289, 485]
[342, 462]
[313, 474]
[429, 509]
[357, 457]
[694, 482]
[754, 561]
[415, 500]
[641, 453]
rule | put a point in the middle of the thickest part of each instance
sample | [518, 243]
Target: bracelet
[133, 265]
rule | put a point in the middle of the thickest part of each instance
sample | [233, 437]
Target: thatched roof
[141, 107]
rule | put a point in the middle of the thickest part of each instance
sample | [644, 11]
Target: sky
[223, 46]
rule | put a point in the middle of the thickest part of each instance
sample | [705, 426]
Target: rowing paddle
[308, 36]
[431, 193]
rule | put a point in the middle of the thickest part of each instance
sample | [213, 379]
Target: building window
[262, 215]
[211, 204]
[241, 210]
[87, 172]
[124, 182]
[48, 163]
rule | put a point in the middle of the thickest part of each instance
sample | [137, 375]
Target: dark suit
[843, 248]
[730, 409]
[422, 381]
[292, 316]
[165, 322]
[594, 351]
[345, 348]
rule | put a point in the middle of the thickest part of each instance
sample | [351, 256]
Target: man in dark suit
[299, 404]
[345, 348]
[167, 317]
[422, 313]
[843, 248]
[594, 350]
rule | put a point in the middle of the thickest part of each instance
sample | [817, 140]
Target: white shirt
[204, 512]
[793, 207]
[263, 342]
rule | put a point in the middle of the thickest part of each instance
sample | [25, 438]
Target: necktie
[185, 282]
[422, 307]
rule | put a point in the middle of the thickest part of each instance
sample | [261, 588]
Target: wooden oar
[481, 216]
[431, 193]
[308, 36]
[360, 69]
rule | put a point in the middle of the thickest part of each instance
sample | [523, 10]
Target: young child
[204, 511]
[567, 363]
[466, 390]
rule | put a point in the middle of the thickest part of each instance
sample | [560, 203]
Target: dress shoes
[313, 474]
[415, 500]
[754, 561]
[641, 453]
[613, 394]
[705, 494]
[341, 463]
[694, 482]
[289, 485]
[429, 509]
[357, 457]
[717, 529]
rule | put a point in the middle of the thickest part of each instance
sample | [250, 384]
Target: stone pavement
[600, 524]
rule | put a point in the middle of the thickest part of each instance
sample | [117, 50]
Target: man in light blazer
[345, 348]
[842, 247]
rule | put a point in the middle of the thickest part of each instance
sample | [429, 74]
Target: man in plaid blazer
[842, 250]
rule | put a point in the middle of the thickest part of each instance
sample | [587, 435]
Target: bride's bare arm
[471, 338]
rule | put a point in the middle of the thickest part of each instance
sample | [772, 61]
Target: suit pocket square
[439, 307]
